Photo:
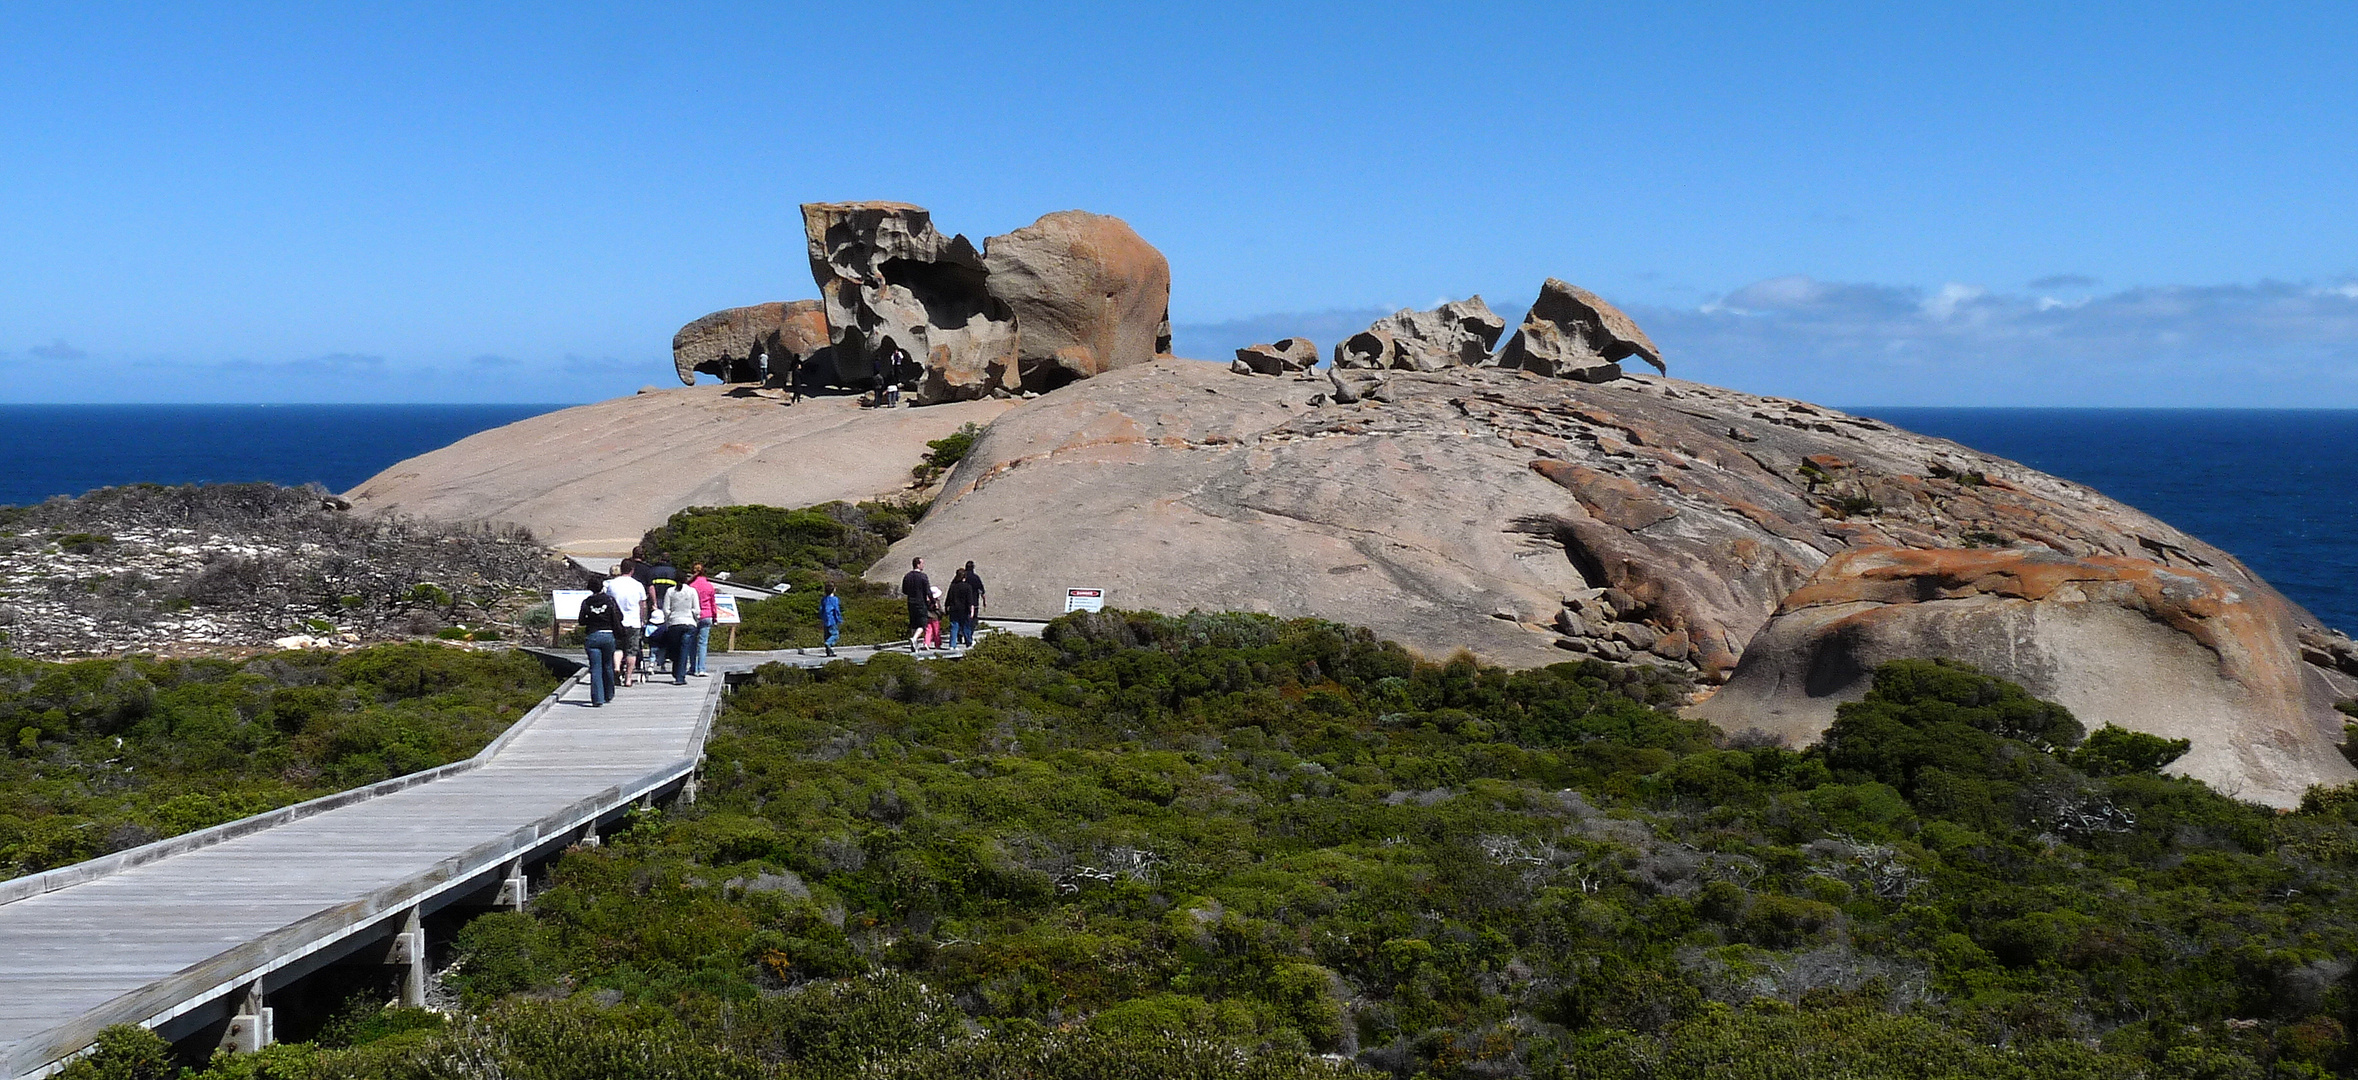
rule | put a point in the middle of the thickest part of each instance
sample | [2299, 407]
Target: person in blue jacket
[831, 617]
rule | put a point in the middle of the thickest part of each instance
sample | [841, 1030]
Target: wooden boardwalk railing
[180, 934]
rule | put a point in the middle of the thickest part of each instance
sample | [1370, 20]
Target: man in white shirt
[631, 597]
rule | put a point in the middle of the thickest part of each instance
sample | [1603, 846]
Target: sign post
[564, 607]
[724, 613]
[1084, 600]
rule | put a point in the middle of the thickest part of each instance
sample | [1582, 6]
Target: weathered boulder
[1369, 349]
[729, 345]
[1456, 334]
[889, 279]
[1355, 384]
[1088, 294]
[1646, 520]
[1282, 357]
[1572, 333]
[2167, 647]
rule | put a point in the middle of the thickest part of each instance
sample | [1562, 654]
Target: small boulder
[1286, 355]
[1572, 333]
[1354, 384]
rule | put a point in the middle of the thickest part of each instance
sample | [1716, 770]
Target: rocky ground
[233, 567]
[1779, 548]
[592, 479]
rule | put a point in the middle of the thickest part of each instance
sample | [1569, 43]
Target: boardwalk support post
[409, 952]
[249, 1022]
[512, 890]
[588, 837]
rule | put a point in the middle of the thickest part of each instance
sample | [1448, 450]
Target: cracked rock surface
[1776, 546]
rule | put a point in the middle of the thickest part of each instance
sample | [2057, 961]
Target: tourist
[917, 589]
[976, 579]
[831, 617]
[933, 618]
[679, 631]
[707, 610]
[896, 372]
[661, 579]
[600, 617]
[958, 605]
[631, 597]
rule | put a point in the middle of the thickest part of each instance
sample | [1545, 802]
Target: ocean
[69, 449]
[2275, 487]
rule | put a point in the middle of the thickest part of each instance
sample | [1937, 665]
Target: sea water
[2274, 487]
[50, 450]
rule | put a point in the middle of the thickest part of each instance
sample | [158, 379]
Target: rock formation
[1456, 334]
[1779, 547]
[1283, 357]
[728, 345]
[1069, 296]
[889, 279]
[1089, 295]
[1571, 333]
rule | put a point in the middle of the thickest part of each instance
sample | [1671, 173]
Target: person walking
[679, 631]
[958, 607]
[831, 617]
[707, 610]
[933, 618]
[600, 617]
[631, 597]
[917, 589]
[974, 580]
[661, 580]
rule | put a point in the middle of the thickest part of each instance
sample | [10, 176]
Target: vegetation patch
[102, 755]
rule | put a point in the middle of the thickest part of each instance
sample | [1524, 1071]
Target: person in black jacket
[958, 608]
[601, 619]
[918, 589]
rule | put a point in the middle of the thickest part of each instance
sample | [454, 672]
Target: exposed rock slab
[1572, 333]
[889, 279]
[728, 345]
[590, 480]
[1088, 294]
[1644, 519]
[2178, 648]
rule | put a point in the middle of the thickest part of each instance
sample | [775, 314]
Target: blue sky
[1859, 204]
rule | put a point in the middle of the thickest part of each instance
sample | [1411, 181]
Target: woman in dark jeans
[600, 618]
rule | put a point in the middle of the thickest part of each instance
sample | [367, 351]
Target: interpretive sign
[566, 604]
[1084, 600]
[724, 610]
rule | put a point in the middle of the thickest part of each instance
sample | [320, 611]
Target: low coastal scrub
[103, 755]
[225, 567]
[807, 550]
[1228, 846]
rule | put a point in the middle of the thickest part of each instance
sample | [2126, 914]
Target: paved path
[176, 935]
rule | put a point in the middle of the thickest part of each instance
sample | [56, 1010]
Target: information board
[1084, 599]
[566, 604]
[724, 610]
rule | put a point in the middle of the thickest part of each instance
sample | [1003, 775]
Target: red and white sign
[1084, 600]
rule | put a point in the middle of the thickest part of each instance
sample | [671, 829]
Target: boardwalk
[190, 931]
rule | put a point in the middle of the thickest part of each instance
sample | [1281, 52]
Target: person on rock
[707, 610]
[958, 607]
[917, 589]
[600, 618]
[831, 617]
[631, 597]
[679, 630]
